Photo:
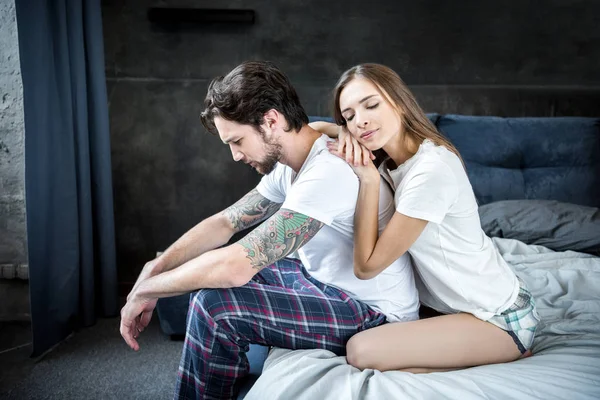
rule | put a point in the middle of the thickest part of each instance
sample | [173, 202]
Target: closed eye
[373, 106]
[350, 118]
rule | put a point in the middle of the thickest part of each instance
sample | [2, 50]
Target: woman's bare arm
[330, 129]
[374, 253]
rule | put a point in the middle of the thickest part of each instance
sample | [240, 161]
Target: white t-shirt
[326, 189]
[459, 269]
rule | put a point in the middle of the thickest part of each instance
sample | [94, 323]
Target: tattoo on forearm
[249, 210]
[281, 235]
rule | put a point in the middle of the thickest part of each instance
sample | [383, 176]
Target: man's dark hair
[245, 94]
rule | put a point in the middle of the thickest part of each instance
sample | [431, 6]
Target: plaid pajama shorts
[281, 306]
[520, 320]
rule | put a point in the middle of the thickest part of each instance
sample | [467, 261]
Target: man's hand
[135, 317]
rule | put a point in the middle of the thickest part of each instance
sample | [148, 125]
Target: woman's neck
[400, 148]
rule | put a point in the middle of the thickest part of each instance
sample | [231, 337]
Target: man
[249, 291]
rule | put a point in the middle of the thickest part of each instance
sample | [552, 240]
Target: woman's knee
[359, 352]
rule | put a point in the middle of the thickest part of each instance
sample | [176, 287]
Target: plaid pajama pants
[281, 306]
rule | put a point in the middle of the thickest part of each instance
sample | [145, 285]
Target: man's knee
[208, 302]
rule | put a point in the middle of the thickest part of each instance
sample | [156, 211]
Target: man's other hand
[135, 317]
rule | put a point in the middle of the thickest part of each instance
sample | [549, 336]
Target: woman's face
[370, 117]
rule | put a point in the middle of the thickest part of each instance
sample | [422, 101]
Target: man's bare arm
[250, 210]
[235, 265]
[191, 262]
[212, 233]
[278, 237]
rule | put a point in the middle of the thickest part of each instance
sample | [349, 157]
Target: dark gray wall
[509, 58]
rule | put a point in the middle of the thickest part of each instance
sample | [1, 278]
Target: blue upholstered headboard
[527, 158]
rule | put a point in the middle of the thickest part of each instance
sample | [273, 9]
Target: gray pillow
[558, 226]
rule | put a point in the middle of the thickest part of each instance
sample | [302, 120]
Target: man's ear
[272, 119]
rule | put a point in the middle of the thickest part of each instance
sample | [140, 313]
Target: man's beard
[273, 156]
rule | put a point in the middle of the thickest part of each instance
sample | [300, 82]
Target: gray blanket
[565, 365]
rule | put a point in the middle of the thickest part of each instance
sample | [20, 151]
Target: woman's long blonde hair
[415, 122]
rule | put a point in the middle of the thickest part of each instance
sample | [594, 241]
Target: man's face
[249, 145]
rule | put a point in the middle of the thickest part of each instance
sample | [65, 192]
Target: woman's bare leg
[427, 370]
[435, 344]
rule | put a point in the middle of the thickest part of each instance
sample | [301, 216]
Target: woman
[491, 316]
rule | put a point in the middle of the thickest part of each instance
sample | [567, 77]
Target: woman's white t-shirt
[459, 269]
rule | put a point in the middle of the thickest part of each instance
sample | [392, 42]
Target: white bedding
[565, 365]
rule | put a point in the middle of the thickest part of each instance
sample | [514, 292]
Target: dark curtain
[70, 226]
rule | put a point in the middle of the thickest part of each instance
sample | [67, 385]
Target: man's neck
[297, 145]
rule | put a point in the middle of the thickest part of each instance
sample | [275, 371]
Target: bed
[538, 184]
